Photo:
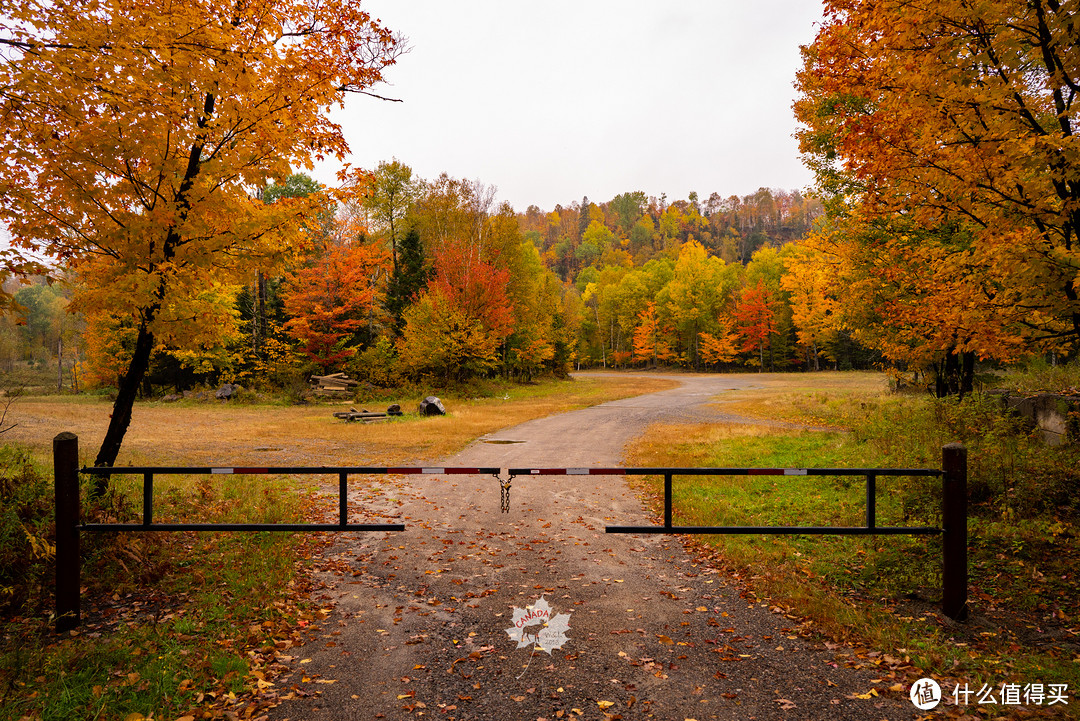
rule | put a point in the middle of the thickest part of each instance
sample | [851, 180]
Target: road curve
[423, 620]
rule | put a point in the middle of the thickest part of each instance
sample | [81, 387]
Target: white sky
[553, 100]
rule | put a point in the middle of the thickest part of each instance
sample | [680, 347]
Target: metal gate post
[68, 571]
[954, 575]
[667, 500]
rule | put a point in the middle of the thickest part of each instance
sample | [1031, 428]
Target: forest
[182, 247]
[403, 280]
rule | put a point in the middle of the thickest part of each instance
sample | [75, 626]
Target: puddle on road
[501, 442]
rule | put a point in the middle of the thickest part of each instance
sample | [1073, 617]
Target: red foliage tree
[458, 323]
[328, 301]
[756, 318]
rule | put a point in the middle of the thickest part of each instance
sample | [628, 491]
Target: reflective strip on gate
[248, 470]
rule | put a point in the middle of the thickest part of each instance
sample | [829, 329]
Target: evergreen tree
[583, 216]
[409, 277]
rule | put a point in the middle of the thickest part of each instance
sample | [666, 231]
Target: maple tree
[457, 324]
[719, 347]
[756, 319]
[132, 133]
[948, 130]
[330, 300]
[650, 338]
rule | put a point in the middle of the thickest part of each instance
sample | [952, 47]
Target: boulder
[431, 406]
[394, 410]
[1055, 416]
[226, 392]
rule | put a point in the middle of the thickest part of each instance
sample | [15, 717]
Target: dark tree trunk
[125, 398]
[955, 376]
[144, 344]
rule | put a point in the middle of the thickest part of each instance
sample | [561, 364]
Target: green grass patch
[885, 590]
[171, 622]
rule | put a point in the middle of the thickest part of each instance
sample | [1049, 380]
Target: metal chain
[504, 487]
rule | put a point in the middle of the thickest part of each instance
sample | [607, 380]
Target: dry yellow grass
[775, 395]
[690, 445]
[259, 435]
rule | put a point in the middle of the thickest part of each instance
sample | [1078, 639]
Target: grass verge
[173, 624]
[884, 591]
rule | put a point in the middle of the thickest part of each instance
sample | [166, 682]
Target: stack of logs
[335, 385]
[369, 416]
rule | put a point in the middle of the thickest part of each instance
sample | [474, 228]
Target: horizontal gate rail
[782, 530]
[725, 471]
[343, 472]
[870, 529]
[954, 510]
[68, 525]
[296, 470]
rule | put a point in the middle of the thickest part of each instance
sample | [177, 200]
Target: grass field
[884, 591]
[202, 432]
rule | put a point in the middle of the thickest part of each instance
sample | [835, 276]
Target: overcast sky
[551, 101]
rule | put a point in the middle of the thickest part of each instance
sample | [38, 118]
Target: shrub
[27, 532]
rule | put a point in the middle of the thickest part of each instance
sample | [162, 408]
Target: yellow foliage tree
[132, 136]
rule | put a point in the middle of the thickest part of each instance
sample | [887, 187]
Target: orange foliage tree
[651, 339]
[132, 135]
[946, 132]
[330, 300]
[719, 347]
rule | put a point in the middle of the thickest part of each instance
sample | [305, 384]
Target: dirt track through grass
[655, 631]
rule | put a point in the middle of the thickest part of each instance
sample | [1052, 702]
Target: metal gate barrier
[953, 530]
[69, 523]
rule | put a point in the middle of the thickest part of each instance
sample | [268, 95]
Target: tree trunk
[955, 376]
[967, 374]
[259, 334]
[125, 398]
[144, 344]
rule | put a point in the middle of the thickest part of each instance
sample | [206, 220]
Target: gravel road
[423, 622]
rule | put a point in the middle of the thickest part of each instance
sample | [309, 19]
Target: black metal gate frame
[69, 522]
[871, 474]
[343, 473]
[953, 530]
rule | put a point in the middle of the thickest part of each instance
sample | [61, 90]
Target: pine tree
[409, 277]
